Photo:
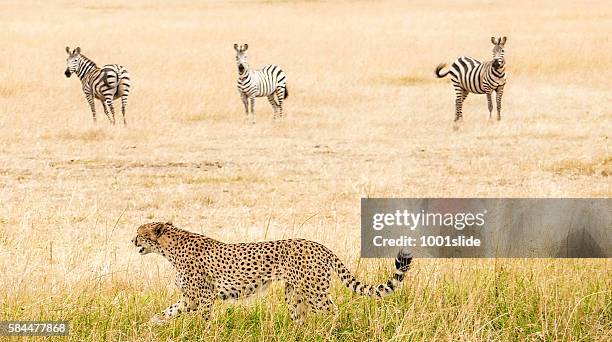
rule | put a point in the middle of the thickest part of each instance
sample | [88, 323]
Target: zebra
[105, 84]
[269, 81]
[472, 76]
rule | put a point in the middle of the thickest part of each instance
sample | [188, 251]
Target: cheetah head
[147, 237]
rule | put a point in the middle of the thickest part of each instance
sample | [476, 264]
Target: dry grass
[366, 118]
[600, 167]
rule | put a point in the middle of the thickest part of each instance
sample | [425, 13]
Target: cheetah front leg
[207, 299]
[198, 294]
[185, 304]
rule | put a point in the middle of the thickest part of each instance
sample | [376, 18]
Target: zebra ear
[503, 40]
[246, 46]
[77, 50]
[67, 49]
[493, 40]
[236, 47]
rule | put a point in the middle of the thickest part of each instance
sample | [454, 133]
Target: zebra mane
[85, 66]
[85, 59]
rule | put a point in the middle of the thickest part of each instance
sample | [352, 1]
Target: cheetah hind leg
[325, 303]
[290, 300]
[296, 303]
[320, 300]
[318, 297]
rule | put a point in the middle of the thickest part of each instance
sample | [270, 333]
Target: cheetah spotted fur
[207, 270]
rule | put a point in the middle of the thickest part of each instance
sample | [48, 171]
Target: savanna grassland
[366, 118]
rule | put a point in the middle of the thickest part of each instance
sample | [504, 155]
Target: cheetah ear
[246, 46]
[67, 50]
[77, 50]
[236, 47]
[159, 229]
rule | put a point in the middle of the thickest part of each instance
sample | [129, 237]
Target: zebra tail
[286, 93]
[402, 264]
[439, 68]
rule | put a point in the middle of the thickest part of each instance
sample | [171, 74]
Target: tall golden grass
[365, 118]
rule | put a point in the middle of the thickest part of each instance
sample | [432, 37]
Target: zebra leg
[490, 102]
[274, 105]
[253, 109]
[124, 100]
[245, 102]
[106, 111]
[92, 105]
[498, 95]
[124, 91]
[461, 95]
[112, 110]
[108, 106]
[280, 94]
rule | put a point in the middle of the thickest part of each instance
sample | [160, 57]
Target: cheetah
[209, 270]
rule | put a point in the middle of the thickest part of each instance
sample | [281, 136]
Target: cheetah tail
[439, 68]
[402, 264]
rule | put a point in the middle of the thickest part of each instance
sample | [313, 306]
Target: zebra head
[498, 52]
[73, 60]
[241, 58]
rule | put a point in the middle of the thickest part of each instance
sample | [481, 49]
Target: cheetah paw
[157, 320]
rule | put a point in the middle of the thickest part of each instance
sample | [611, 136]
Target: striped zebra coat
[269, 81]
[106, 84]
[469, 75]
